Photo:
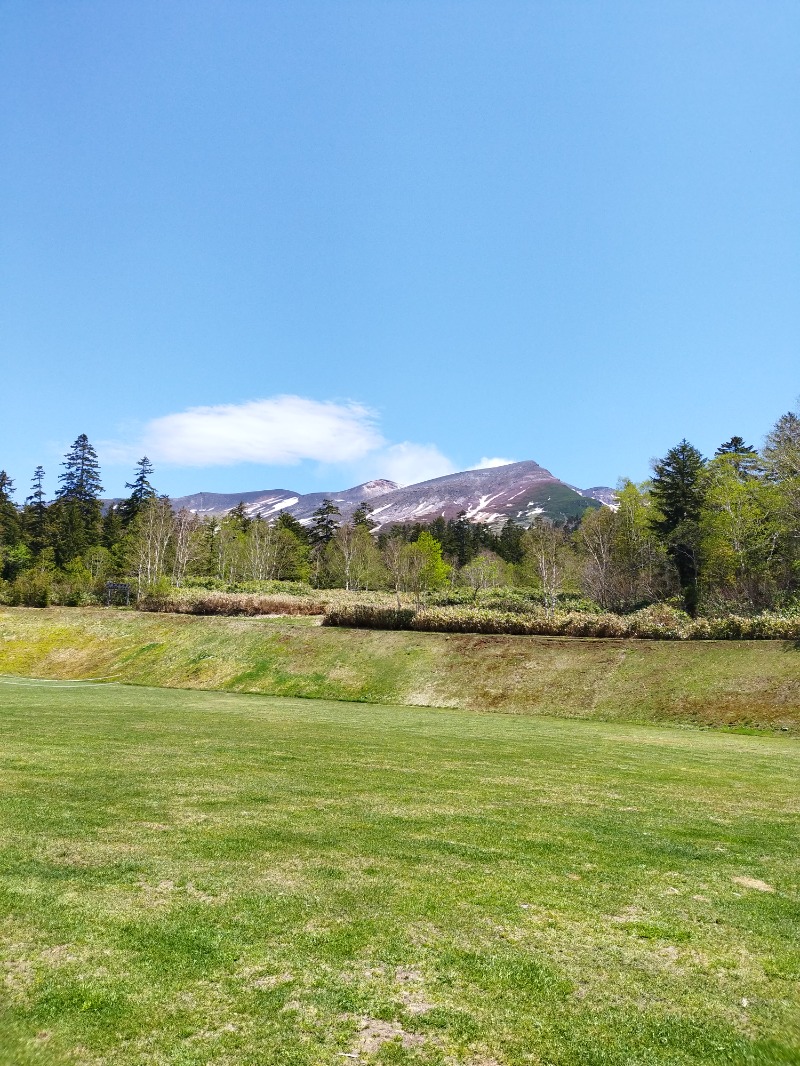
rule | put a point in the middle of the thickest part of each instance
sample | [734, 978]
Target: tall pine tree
[35, 514]
[78, 507]
[10, 529]
[285, 520]
[324, 525]
[141, 491]
[677, 490]
[362, 516]
[320, 535]
[743, 457]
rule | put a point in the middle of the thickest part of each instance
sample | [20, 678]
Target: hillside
[720, 683]
[519, 491]
[270, 502]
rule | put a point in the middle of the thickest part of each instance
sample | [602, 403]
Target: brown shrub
[230, 603]
[659, 622]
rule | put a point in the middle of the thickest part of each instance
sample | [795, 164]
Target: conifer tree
[677, 490]
[461, 539]
[10, 530]
[743, 457]
[113, 526]
[320, 536]
[239, 517]
[287, 521]
[78, 507]
[141, 491]
[782, 462]
[324, 527]
[35, 514]
[509, 544]
[361, 516]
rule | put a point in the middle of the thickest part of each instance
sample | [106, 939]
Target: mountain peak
[378, 487]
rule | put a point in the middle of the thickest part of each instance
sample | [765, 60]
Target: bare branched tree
[153, 533]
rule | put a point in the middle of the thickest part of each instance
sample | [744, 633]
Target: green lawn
[206, 877]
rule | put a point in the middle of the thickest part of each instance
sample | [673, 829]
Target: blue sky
[303, 244]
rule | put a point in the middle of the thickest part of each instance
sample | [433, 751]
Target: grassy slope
[194, 878]
[745, 683]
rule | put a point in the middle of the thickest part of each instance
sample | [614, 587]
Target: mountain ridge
[518, 491]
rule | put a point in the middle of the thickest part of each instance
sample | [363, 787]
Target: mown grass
[733, 684]
[204, 877]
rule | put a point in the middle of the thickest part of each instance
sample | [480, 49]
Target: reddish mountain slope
[519, 490]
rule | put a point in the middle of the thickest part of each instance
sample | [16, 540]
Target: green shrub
[507, 598]
[216, 584]
[160, 589]
[33, 588]
[370, 616]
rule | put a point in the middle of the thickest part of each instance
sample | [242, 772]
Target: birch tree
[152, 536]
[547, 557]
[187, 529]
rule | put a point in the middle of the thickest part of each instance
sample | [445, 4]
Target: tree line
[712, 535]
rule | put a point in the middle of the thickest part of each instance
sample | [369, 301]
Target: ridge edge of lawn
[749, 686]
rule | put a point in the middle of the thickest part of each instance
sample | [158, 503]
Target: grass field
[203, 877]
[739, 684]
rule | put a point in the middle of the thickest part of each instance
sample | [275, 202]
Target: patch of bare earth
[411, 991]
[374, 1033]
[753, 882]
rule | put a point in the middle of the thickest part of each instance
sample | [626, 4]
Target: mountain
[270, 502]
[602, 493]
[518, 490]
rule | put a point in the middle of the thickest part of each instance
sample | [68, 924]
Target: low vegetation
[179, 601]
[660, 622]
[210, 878]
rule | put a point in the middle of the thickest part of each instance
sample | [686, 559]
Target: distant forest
[708, 535]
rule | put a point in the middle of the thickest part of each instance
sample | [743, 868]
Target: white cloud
[488, 464]
[409, 463]
[279, 431]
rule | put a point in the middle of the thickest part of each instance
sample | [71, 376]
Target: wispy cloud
[409, 463]
[488, 464]
[280, 431]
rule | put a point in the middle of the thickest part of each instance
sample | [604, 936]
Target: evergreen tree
[320, 536]
[10, 528]
[113, 526]
[239, 517]
[287, 521]
[743, 457]
[324, 524]
[78, 507]
[37, 525]
[141, 491]
[677, 490]
[509, 543]
[361, 516]
[442, 530]
[462, 537]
